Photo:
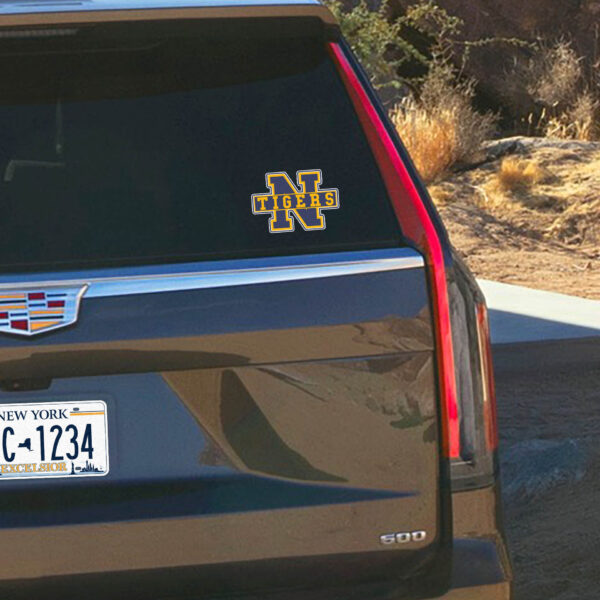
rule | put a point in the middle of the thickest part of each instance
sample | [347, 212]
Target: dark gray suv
[238, 356]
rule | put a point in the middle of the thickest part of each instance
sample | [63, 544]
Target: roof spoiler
[51, 14]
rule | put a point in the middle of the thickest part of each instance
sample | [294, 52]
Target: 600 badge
[403, 537]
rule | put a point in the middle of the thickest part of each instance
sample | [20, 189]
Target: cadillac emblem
[30, 311]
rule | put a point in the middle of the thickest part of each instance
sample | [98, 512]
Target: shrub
[441, 128]
[377, 42]
[382, 45]
[436, 120]
[517, 175]
[554, 75]
[519, 183]
[568, 100]
[429, 138]
[579, 121]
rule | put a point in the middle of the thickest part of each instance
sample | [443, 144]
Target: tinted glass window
[151, 153]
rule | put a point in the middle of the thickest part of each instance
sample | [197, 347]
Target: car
[238, 355]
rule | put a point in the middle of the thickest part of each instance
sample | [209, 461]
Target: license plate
[53, 439]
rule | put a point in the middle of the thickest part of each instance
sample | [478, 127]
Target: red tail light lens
[489, 390]
[418, 227]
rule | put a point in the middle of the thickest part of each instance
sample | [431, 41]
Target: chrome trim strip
[103, 283]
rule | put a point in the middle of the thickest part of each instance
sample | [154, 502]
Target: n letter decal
[302, 201]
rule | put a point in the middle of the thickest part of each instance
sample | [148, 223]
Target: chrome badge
[30, 311]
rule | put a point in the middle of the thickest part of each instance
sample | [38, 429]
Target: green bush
[433, 114]
[381, 44]
[374, 40]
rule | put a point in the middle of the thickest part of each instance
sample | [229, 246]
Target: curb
[533, 330]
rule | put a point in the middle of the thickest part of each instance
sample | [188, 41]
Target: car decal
[288, 202]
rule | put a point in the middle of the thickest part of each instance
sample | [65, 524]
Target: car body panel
[316, 423]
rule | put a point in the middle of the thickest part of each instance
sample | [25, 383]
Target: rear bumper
[180, 584]
[499, 591]
[480, 571]
[481, 568]
[478, 574]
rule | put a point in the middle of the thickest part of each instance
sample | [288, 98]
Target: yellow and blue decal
[302, 201]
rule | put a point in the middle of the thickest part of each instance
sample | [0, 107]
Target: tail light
[418, 228]
[488, 388]
[477, 464]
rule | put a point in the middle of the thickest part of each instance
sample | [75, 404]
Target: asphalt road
[550, 454]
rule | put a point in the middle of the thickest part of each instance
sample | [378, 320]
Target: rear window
[148, 150]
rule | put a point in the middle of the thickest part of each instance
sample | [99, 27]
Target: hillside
[529, 214]
[492, 66]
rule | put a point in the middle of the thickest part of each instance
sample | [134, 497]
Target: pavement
[519, 314]
[546, 350]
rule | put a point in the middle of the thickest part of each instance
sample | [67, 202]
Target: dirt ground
[550, 463]
[544, 235]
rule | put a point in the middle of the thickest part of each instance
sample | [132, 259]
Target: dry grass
[544, 232]
[441, 127]
[577, 122]
[518, 175]
[567, 97]
[429, 138]
[441, 194]
[519, 183]
[554, 75]
[550, 192]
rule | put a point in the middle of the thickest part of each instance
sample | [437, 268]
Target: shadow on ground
[550, 453]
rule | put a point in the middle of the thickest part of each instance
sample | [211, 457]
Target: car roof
[20, 7]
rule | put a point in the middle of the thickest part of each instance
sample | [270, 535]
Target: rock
[533, 467]
[496, 149]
